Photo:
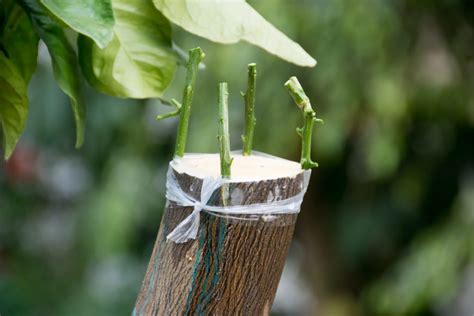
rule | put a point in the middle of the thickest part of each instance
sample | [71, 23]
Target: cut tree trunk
[234, 265]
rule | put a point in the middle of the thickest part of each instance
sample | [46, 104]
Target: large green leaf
[139, 62]
[63, 57]
[19, 41]
[13, 103]
[231, 21]
[93, 18]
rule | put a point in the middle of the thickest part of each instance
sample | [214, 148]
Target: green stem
[249, 98]
[169, 114]
[223, 132]
[302, 101]
[196, 55]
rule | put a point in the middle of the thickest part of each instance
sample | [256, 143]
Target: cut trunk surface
[234, 265]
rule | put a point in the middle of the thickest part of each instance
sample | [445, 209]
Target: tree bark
[234, 265]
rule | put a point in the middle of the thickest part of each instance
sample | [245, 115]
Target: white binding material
[189, 227]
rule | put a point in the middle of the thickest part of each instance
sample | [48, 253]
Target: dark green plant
[124, 48]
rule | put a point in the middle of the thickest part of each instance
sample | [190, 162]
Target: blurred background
[387, 226]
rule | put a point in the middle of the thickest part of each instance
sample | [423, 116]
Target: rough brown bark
[234, 265]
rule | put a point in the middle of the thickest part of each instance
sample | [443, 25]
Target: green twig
[196, 55]
[249, 98]
[166, 102]
[173, 113]
[305, 132]
[223, 133]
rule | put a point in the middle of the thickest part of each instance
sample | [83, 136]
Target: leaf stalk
[177, 112]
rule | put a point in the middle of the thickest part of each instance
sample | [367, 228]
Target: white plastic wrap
[189, 227]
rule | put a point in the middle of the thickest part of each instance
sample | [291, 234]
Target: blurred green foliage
[387, 224]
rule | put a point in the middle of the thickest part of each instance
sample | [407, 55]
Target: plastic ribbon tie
[189, 227]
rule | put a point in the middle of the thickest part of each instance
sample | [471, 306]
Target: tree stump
[234, 265]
